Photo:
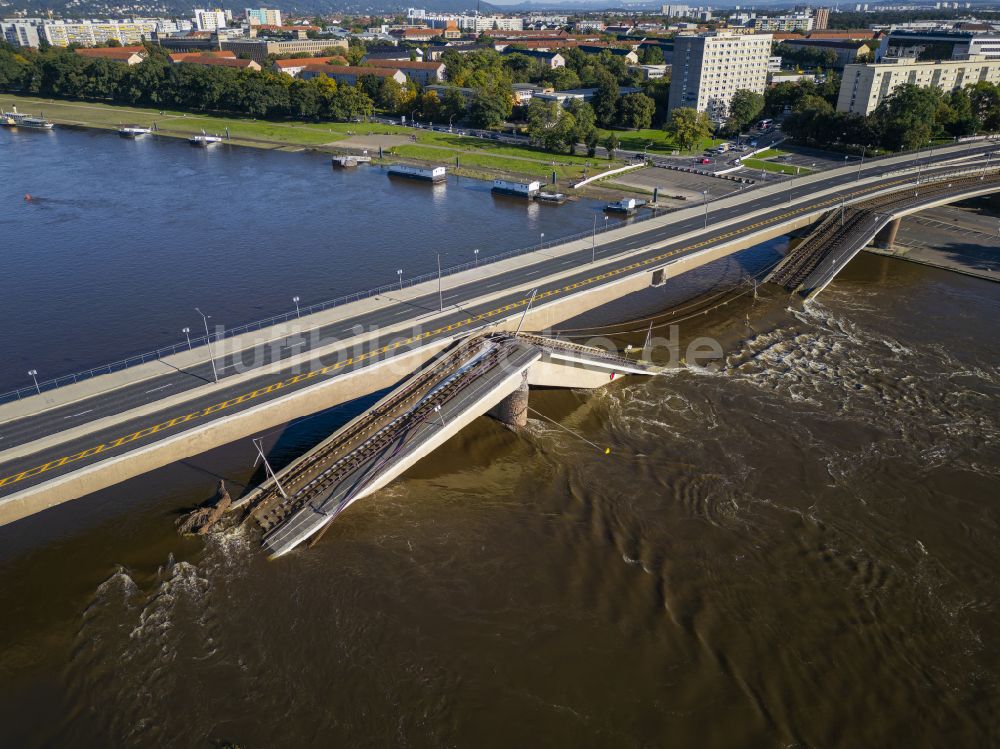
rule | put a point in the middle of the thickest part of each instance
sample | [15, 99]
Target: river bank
[477, 158]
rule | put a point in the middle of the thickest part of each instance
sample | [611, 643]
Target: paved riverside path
[53, 442]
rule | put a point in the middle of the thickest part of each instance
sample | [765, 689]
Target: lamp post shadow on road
[208, 342]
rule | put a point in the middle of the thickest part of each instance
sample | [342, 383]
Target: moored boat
[20, 119]
[133, 131]
[204, 140]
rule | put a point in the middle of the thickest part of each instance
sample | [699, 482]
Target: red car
[704, 160]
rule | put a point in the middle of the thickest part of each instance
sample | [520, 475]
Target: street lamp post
[399, 272]
[593, 242]
[476, 253]
[297, 312]
[705, 202]
[541, 238]
[449, 123]
[33, 373]
[187, 334]
[440, 293]
[208, 341]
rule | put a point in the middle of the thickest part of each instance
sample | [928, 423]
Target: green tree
[744, 108]
[605, 101]
[812, 120]
[430, 106]
[905, 119]
[550, 126]
[390, 95]
[984, 99]
[453, 105]
[637, 111]
[491, 106]
[612, 144]
[583, 115]
[355, 54]
[688, 126]
[651, 55]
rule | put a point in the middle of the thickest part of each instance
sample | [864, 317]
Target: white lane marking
[73, 416]
[162, 387]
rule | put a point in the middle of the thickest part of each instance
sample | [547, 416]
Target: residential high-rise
[821, 18]
[709, 68]
[263, 17]
[209, 20]
[21, 33]
[91, 33]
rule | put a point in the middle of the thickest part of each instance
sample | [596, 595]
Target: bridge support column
[886, 237]
[512, 411]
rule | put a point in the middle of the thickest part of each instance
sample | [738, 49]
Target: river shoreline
[515, 163]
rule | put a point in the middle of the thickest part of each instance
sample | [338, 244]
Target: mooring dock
[477, 375]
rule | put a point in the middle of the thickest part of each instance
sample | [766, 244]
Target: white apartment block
[864, 87]
[475, 23]
[709, 68]
[21, 33]
[210, 20]
[796, 22]
[92, 33]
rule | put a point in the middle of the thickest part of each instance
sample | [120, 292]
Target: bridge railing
[198, 341]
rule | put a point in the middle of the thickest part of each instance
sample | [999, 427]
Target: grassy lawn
[537, 168]
[770, 166]
[111, 116]
[657, 140]
[466, 143]
[770, 153]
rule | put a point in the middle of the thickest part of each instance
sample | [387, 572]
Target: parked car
[704, 160]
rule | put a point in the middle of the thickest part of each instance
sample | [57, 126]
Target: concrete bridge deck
[75, 440]
[813, 264]
[473, 377]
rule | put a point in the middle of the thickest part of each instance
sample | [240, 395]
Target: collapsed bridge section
[479, 374]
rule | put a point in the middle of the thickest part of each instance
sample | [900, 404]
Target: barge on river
[427, 174]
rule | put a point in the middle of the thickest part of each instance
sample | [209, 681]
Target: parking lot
[677, 184]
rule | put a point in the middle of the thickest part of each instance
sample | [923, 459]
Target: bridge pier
[886, 237]
[512, 411]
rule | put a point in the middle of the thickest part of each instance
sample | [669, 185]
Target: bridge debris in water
[463, 383]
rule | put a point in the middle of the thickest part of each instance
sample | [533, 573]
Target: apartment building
[263, 17]
[91, 33]
[864, 87]
[709, 68]
[21, 33]
[795, 22]
[211, 20]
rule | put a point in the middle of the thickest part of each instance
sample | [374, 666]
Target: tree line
[155, 82]
[911, 117]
